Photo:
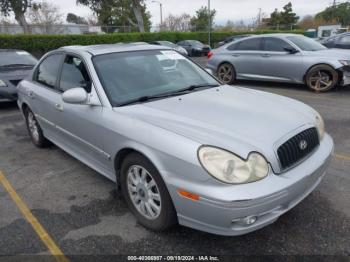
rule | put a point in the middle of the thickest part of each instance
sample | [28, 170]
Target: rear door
[245, 56]
[43, 94]
[278, 64]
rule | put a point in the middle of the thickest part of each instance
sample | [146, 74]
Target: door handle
[59, 107]
[236, 55]
[31, 94]
[265, 55]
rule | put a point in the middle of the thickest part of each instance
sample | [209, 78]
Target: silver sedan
[180, 146]
[282, 58]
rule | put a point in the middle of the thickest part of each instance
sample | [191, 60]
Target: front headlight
[2, 83]
[320, 125]
[229, 168]
[345, 62]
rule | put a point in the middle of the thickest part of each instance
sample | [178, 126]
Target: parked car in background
[282, 58]
[182, 146]
[341, 41]
[194, 47]
[232, 39]
[176, 47]
[15, 65]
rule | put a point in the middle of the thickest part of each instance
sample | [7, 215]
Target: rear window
[8, 58]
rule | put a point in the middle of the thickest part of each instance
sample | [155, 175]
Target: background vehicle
[282, 58]
[232, 39]
[15, 65]
[171, 45]
[194, 47]
[167, 136]
[341, 41]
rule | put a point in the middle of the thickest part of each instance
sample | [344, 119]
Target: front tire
[226, 73]
[34, 130]
[322, 78]
[146, 194]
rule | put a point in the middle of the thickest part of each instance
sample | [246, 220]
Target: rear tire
[226, 73]
[322, 78]
[146, 194]
[34, 130]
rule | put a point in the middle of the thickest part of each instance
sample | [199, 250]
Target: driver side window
[74, 74]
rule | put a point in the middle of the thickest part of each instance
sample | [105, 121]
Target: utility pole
[259, 17]
[209, 25]
[161, 11]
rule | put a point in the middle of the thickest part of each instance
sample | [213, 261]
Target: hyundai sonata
[181, 146]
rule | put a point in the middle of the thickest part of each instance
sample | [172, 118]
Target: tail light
[210, 54]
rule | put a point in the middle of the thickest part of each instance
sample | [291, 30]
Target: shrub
[40, 44]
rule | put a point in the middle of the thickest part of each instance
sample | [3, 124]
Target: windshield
[306, 44]
[128, 76]
[8, 58]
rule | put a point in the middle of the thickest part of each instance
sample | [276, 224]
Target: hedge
[39, 44]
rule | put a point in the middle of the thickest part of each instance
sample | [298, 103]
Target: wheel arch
[125, 151]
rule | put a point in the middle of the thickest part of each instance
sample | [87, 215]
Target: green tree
[200, 21]
[275, 18]
[75, 19]
[340, 13]
[120, 13]
[18, 8]
[288, 17]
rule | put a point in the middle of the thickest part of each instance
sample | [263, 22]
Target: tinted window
[275, 44]
[345, 39]
[48, 70]
[74, 74]
[8, 58]
[249, 44]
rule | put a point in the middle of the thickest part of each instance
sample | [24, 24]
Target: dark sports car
[15, 65]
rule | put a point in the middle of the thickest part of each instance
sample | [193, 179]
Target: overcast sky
[234, 10]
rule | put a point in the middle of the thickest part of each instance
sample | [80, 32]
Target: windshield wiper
[169, 94]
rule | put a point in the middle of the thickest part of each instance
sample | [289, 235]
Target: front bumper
[345, 72]
[9, 93]
[220, 205]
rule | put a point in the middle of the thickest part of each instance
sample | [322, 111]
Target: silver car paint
[275, 66]
[169, 133]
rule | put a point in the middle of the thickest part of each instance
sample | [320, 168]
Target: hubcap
[144, 192]
[33, 126]
[225, 73]
[321, 80]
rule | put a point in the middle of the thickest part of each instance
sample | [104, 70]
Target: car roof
[277, 35]
[111, 48]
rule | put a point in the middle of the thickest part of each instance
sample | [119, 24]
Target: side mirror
[209, 71]
[76, 95]
[291, 50]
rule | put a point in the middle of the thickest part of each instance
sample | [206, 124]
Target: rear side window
[275, 44]
[47, 71]
[253, 44]
[74, 74]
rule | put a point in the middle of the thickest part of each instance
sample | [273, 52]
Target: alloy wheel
[33, 126]
[144, 192]
[225, 73]
[321, 80]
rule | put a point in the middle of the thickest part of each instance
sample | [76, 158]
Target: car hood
[237, 119]
[331, 53]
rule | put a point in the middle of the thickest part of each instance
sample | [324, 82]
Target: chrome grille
[298, 147]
